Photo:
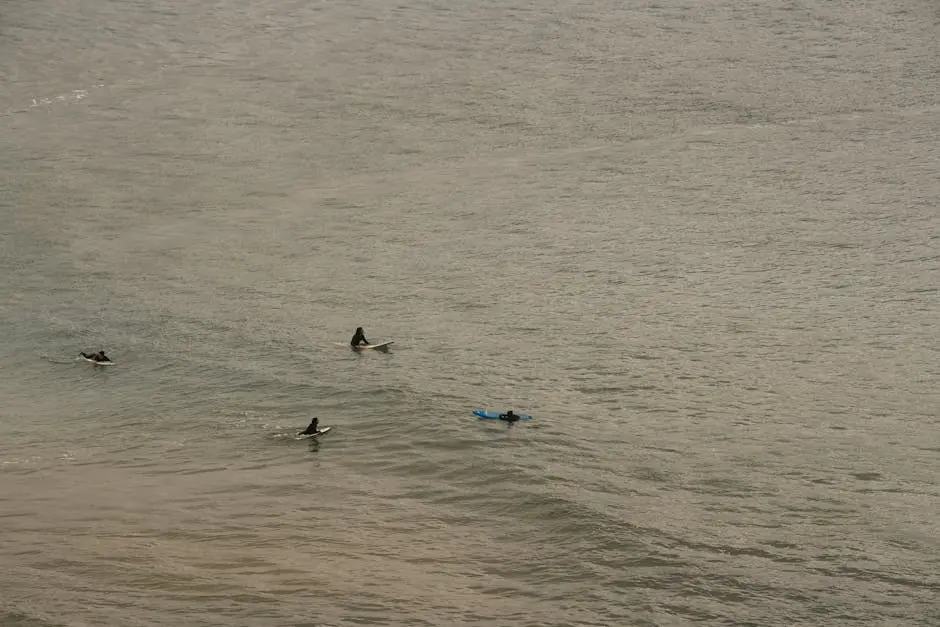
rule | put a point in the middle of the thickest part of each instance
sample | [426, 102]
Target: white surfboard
[308, 436]
[381, 346]
[99, 363]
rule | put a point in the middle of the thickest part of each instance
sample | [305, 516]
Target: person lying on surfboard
[509, 417]
[99, 356]
[359, 337]
[312, 428]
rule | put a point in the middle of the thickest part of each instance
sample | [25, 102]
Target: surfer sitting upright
[312, 428]
[509, 417]
[359, 338]
[99, 356]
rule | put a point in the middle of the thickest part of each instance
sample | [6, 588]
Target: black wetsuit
[509, 417]
[97, 357]
[359, 338]
[311, 428]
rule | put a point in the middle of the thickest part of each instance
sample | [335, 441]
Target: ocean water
[698, 241]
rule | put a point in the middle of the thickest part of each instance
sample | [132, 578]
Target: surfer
[358, 338]
[99, 356]
[509, 417]
[312, 428]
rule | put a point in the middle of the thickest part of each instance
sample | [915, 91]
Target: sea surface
[698, 240]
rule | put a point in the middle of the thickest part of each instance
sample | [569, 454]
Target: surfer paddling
[98, 357]
[358, 338]
[312, 428]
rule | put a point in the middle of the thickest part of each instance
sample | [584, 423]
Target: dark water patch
[884, 576]
[737, 551]
[728, 487]
[607, 390]
[12, 618]
[202, 470]
[664, 449]
[655, 475]
[867, 476]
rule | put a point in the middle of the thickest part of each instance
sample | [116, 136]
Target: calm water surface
[698, 241]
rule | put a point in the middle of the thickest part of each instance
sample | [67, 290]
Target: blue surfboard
[496, 415]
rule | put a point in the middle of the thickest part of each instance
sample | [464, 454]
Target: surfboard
[495, 415]
[381, 346]
[99, 363]
[308, 436]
